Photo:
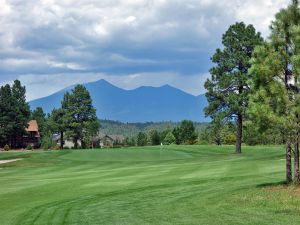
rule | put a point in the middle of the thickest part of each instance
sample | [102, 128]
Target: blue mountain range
[143, 104]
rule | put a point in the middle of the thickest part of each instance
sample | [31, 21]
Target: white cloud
[139, 42]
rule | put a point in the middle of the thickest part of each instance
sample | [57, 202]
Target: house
[101, 140]
[68, 143]
[104, 140]
[32, 137]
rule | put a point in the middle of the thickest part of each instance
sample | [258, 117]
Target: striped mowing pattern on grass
[150, 185]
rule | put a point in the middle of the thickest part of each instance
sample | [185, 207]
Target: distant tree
[185, 133]
[90, 131]
[228, 89]
[169, 139]
[39, 115]
[154, 137]
[130, 141]
[177, 134]
[80, 115]
[58, 123]
[19, 115]
[188, 132]
[164, 133]
[142, 139]
[215, 129]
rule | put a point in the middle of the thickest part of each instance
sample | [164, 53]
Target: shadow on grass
[275, 184]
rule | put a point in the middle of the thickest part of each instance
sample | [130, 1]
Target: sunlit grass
[151, 185]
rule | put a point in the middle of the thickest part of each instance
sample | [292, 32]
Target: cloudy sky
[51, 44]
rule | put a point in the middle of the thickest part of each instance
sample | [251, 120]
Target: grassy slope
[177, 185]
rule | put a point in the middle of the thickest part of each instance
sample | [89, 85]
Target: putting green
[132, 154]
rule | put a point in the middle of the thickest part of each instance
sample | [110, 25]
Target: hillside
[143, 104]
[132, 129]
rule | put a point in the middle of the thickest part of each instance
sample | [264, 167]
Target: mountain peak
[167, 86]
[102, 81]
[165, 103]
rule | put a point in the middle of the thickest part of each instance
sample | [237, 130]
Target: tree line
[75, 119]
[184, 133]
[255, 83]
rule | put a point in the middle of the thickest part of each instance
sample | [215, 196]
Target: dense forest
[132, 129]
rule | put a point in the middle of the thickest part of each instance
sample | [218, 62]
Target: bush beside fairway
[151, 185]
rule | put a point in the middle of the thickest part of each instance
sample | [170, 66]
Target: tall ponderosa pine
[275, 103]
[6, 110]
[80, 115]
[14, 114]
[228, 90]
[21, 112]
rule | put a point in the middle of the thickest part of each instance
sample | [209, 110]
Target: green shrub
[47, 142]
[229, 139]
[6, 147]
[29, 147]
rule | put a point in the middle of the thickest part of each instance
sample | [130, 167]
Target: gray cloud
[120, 37]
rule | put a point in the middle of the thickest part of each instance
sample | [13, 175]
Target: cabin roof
[32, 126]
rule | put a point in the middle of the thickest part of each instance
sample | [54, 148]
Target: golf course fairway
[148, 185]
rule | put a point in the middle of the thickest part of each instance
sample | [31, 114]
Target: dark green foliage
[6, 113]
[164, 133]
[154, 137]
[218, 133]
[130, 141]
[275, 69]
[57, 123]
[254, 136]
[132, 129]
[47, 142]
[169, 139]
[80, 116]
[142, 139]
[185, 133]
[39, 115]
[177, 134]
[14, 114]
[228, 89]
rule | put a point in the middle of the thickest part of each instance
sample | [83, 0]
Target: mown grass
[151, 185]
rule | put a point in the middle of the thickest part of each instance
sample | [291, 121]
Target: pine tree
[58, 123]
[6, 111]
[80, 115]
[228, 89]
[39, 115]
[275, 70]
[169, 139]
[141, 139]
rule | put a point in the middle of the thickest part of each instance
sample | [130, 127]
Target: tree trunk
[82, 144]
[61, 140]
[296, 164]
[75, 143]
[288, 164]
[239, 134]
